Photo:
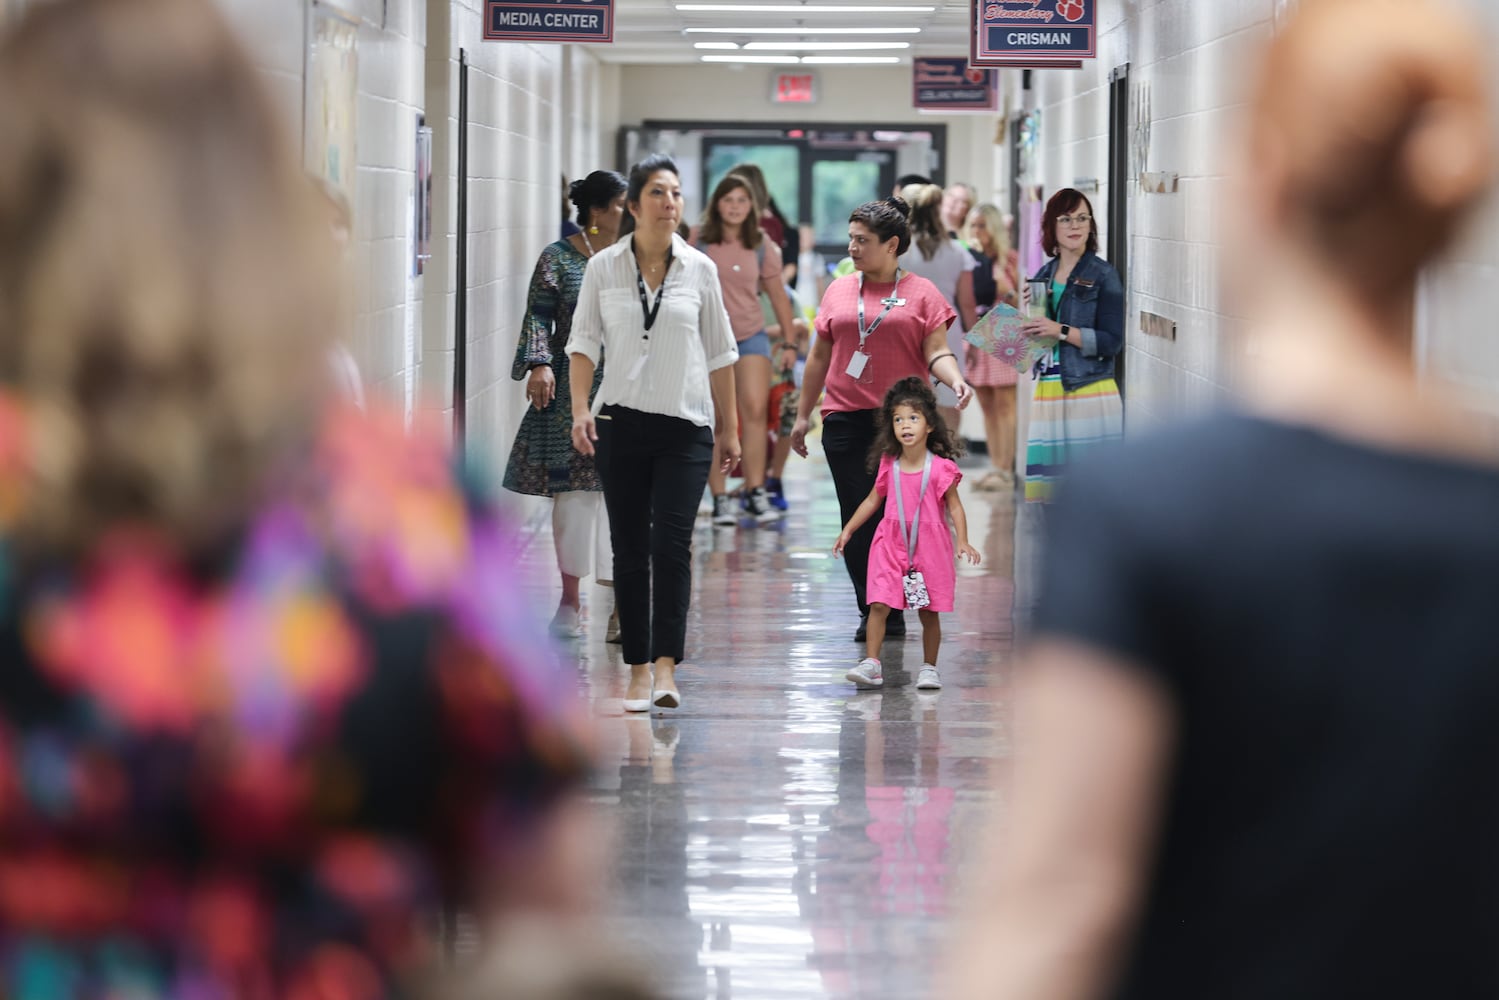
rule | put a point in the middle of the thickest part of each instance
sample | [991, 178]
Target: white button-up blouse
[690, 338]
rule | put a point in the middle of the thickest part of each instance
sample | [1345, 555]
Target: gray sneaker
[868, 674]
[723, 511]
[759, 506]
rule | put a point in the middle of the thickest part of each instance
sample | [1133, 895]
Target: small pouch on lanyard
[916, 595]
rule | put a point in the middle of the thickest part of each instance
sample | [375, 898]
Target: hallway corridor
[782, 835]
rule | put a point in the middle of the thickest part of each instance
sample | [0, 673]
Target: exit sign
[793, 88]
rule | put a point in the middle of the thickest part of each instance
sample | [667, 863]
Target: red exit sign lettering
[794, 88]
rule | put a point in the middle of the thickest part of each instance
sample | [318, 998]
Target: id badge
[856, 364]
[637, 368]
[915, 587]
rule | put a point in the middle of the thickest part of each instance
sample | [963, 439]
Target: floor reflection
[782, 835]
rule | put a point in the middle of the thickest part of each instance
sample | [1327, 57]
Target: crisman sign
[1033, 32]
[549, 20]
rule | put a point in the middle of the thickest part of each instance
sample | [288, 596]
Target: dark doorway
[1120, 185]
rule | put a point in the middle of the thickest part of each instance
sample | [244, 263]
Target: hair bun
[575, 190]
[900, 204]
[1381, 168]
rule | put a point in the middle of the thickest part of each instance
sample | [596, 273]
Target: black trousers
[653, 469]
[846, 440]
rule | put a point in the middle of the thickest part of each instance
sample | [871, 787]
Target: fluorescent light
[793, 8]
[802, 31]
[716, 45]
[823, 46]
[849, 60]
[770, 60]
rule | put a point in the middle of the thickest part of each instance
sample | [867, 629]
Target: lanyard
[900, 507]
[864, 331]
[646, 309]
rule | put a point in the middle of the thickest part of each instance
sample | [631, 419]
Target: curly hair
[915, 392]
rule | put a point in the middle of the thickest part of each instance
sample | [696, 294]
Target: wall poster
[331, 98]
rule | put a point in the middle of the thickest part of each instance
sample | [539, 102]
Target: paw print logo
[1072, 10]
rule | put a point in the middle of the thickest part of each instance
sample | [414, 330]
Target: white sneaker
[566, 624]
[927, 679]
[723, 512]
[868, 674]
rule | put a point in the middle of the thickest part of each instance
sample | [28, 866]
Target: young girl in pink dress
[911, 560]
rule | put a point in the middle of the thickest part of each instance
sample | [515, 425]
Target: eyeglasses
[1074, 220]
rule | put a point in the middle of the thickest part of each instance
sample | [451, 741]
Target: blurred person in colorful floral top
[270, 699]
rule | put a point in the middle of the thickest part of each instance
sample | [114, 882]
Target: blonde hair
[1371, 117]
[994, 223]
[166, 280]
[928, 231]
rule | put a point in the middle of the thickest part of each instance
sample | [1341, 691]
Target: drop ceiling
[655, 31]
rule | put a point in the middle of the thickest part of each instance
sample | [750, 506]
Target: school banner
[549, 20]
[950, 84]
[1037, 33]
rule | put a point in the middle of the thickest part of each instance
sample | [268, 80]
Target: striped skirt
[1065, 426]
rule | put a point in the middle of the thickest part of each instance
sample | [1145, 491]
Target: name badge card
[856, 364]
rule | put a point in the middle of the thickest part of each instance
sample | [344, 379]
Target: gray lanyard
[900, 508]
[889, 303]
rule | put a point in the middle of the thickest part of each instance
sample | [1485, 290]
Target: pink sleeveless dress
[934, 544]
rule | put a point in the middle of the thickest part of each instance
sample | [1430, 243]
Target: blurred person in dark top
[1260, 718]
[270, 696]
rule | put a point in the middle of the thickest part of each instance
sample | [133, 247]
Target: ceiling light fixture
[769, 60]
[849, 60]
[717, 45]
[822, 46]
[789, 8]
[802, 31]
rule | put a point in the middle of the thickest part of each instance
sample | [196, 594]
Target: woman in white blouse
[664, 415]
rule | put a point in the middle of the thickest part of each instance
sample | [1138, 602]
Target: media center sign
[549, 20]
[1033, 32]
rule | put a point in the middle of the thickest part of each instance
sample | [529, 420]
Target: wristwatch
[1065, 331]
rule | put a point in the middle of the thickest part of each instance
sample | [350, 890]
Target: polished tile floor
[782, 835]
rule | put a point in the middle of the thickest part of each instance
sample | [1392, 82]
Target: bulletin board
[331, 99]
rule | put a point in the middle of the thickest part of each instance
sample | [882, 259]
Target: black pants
[653, 469]
[846, 440]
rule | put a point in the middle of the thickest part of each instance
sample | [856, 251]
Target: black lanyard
[889, 304]
[646, 309]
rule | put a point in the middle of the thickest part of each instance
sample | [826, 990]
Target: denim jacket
[1093, 305]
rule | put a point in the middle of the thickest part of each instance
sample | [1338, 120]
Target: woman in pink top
[875, 327]
[747, 262]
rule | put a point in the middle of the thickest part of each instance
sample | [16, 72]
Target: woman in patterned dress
[543, 461]
[270, 700]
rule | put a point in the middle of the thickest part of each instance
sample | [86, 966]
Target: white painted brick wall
[1460, 298]
[1196, 60]
[1191, 58]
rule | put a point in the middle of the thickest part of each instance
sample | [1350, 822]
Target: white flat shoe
[666, 699]
[638, 704]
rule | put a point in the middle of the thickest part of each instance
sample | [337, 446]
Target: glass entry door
[841, 182]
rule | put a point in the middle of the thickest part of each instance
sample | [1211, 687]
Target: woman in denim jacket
[1076, 404]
